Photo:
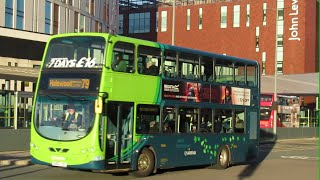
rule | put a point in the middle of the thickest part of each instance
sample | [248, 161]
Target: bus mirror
[98, 105]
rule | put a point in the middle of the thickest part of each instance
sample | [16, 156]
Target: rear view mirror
[98, 105]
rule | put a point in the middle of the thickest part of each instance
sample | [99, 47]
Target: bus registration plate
[59, 164]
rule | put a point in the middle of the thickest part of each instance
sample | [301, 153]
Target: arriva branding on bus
[171, 88]
[190, 153]
[65, 62]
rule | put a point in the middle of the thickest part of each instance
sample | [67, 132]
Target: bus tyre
[223, 158]
[145, 163]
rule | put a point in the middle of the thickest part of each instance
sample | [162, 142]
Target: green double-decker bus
[111, 103]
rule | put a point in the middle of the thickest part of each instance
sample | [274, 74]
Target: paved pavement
[22, 158]
[17, 158]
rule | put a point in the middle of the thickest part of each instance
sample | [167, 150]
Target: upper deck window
[189, 64]
[123, 57]
[252, 75]
[224, 71]
[149, 60]
[170, 69]
[75, 52]
[239, 71]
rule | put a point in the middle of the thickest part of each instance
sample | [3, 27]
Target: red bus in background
[288, 111]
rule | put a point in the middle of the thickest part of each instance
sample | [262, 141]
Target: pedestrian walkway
[14, 158]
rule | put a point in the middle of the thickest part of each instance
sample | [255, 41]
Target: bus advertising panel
[199, 92]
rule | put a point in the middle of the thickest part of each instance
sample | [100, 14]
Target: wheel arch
[151, 148]
[229, 153]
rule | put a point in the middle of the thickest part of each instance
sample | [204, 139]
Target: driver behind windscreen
[72, 119]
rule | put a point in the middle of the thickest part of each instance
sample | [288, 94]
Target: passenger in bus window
[218, 125]
[142, 126]
[72, 119]
[119, 64]
[166, 128]
[153, 127]
[151, 68]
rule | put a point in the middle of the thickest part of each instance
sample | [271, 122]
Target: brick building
[242, 28]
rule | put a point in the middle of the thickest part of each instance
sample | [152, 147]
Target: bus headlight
[33, 146]
[97, 158]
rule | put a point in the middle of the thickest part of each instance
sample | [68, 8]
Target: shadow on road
[267, 142]
[21, 174]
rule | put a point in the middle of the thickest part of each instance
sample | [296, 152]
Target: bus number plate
[59, 164]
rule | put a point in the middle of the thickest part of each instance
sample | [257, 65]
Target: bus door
[119, 134]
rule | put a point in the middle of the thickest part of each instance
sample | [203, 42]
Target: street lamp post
[275, 98]
[173, 21]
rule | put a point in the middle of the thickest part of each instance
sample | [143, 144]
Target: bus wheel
[145, 163]
[223, 158]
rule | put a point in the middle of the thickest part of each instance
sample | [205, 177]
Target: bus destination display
[70, 83]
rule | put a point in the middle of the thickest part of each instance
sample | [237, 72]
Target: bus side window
[217, 124]
[169, 120]
[123, 57]
[206, 121]
[206, 69]
[148, 119]
[189, 66]
[240, 121]
[149, 60]
[224, 71]
[226, 120]
[239, 72]
[251, 76]
[170, 64]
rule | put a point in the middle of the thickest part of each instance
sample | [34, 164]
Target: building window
[70, 2]
[264, 14]
[280, 27]
[279, 54]
[200, 18]
[48, 17]
[76, 22]
[257, 39]
[67, 19]
[9, 14]
[248, 16]
[81, 27]
[139, 22]
[279, 67]
[92, 7]
[87, 5]
[264, 59]
[263, 68]
[223, 20]
[20, 14]
[98, 26]
[188, 19]
[120, 23]
[56, 19]
[105, 6]
[280, 14]
[236, 16]
[280, 40]
[163, 21]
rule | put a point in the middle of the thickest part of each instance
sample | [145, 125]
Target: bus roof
[163, 46]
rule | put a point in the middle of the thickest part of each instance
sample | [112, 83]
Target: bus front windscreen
[265, 113]
[75, 52]
[64, 118]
